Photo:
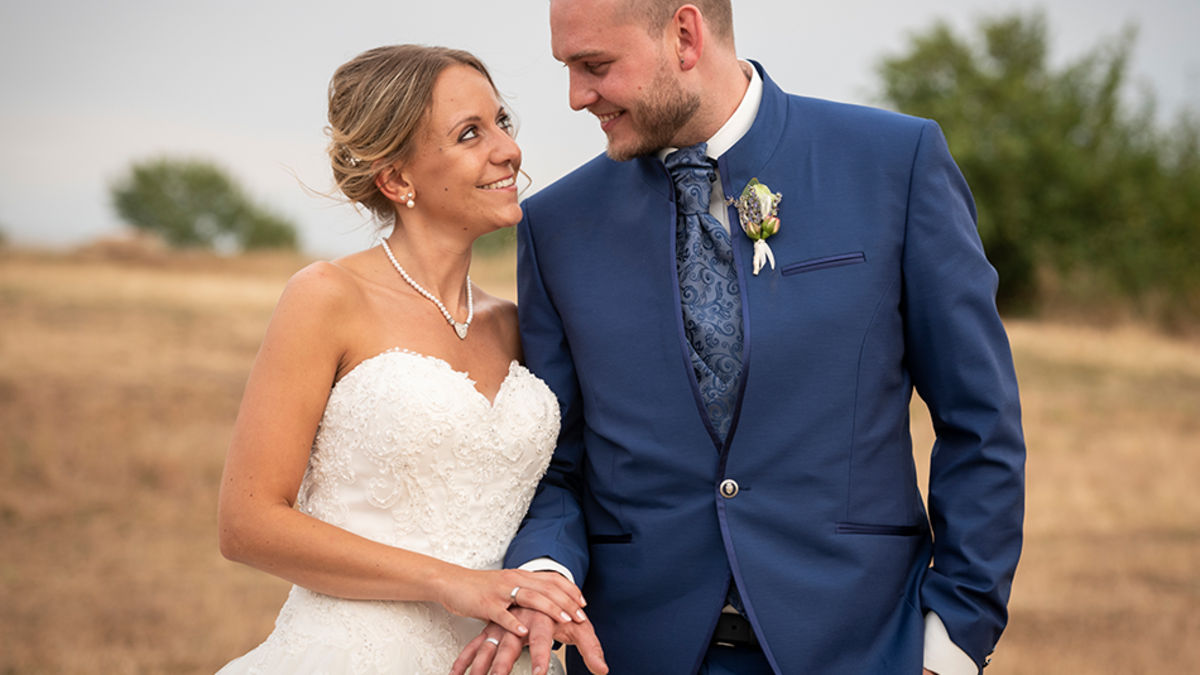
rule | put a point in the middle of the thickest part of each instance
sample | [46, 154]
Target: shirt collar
[738, 124]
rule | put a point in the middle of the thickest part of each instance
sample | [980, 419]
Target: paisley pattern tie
[708, 285]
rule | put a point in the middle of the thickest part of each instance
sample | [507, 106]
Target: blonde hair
[377, 102]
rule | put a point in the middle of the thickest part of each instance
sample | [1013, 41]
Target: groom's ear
[391, 183]
[687, 33]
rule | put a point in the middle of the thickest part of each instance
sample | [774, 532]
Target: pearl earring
[410, 203]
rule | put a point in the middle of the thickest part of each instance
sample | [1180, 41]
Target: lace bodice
[410, 454]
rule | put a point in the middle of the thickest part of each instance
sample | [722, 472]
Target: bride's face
[465, 167]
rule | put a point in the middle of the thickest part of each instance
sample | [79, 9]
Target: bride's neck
[437, 262]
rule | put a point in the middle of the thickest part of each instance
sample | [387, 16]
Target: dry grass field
[120, 375]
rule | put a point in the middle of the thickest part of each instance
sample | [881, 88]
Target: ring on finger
[513, 596]
[493, 641]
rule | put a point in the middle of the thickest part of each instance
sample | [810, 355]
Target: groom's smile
[623, 75]
[605, 119]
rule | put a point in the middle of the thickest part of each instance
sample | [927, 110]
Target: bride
[389, 441]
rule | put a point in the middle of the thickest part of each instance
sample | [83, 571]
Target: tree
[1067, 175]
[192, 203]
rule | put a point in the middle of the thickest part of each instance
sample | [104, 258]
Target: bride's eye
[468, 133]
[505, 122]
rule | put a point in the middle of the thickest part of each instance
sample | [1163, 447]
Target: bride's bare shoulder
[319, 285]
[323, 298]
[331, 285]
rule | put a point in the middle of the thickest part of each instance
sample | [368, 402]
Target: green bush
[1068, 175]
[497, 242]
[191, 203]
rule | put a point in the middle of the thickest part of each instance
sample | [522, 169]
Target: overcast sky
[89, 86]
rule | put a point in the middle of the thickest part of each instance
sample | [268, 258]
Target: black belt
[733, 630]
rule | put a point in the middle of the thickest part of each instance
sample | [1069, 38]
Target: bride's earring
[409, 203]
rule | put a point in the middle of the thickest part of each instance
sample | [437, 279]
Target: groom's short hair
[654, 14]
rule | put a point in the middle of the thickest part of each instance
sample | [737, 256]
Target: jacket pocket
[594, 539]
[824, 263]
[885, 530]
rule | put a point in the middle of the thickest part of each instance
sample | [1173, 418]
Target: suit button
[729, 488]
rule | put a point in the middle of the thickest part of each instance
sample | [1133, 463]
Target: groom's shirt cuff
[548, 565]
[942, 656]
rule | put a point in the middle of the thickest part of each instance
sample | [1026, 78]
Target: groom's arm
[554, 526]
[961, 365]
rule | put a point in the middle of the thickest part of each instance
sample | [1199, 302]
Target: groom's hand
[495, 649]
[484, 656]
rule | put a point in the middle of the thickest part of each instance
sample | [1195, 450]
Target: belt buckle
[733, 631]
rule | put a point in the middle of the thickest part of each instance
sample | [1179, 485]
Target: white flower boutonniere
[758, 211]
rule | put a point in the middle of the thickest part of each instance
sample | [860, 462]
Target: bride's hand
[488, 595]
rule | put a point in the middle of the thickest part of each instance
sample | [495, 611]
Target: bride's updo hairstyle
[377, 102]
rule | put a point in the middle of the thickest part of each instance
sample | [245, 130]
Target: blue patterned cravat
[708, 285]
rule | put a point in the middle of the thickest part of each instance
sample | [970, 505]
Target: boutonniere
[758, 211]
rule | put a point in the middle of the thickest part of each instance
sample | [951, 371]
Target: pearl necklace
[459, 328]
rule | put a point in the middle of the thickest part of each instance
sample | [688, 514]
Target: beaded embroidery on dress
[410, 454]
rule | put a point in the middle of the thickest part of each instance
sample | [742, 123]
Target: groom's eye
[596, 68]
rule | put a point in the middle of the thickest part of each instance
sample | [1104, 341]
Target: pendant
[461, 329]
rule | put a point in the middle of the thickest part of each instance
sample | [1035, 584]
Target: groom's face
[621, 74]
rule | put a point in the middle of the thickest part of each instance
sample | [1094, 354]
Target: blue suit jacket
[881, 286]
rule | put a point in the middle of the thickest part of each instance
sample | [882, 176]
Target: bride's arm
[301, 355]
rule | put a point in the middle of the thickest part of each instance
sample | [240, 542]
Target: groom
[734, 487]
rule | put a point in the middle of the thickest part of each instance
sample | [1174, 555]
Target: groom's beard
[656, 118]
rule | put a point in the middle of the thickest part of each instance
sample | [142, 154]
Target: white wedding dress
[410, 454]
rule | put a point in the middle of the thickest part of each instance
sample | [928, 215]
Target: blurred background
[128, 320]
[90, 87]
